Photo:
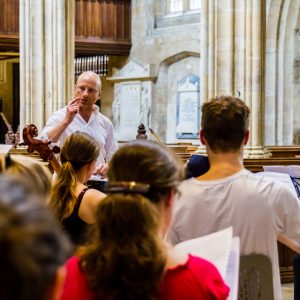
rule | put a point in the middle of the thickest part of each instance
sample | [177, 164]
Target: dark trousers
[97, 185]
[296, 266]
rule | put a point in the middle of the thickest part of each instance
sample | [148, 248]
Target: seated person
[72, 201]
[30, 169]
[196, 166]
[127, 257]
[33, 248]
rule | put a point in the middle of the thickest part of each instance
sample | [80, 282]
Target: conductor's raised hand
[72, 110]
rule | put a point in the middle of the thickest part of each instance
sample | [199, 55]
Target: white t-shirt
[257, 208]
[98, 126]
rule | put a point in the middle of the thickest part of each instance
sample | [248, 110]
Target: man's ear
[55, 290]
[202, 137]
[246, 138]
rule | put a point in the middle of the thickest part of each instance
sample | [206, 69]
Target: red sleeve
[211, 279]
[198, 279]
[75, 287]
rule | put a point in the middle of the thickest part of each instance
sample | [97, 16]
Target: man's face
[87, 91]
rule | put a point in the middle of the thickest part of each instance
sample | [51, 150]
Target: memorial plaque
[188, 108]
[130, 98]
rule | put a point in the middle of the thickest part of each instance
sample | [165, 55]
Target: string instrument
[30, 132]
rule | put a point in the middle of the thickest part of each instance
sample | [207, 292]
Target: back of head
[146, 162]
[126, 259]
[78, 150]
[37, 174]
[32, 247]
[225, 121]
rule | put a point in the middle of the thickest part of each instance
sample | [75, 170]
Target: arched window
[177, 6]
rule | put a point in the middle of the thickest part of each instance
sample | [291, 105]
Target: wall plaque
[188, 108]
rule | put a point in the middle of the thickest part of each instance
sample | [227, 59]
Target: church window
[181, 6]
[195, 4]
[176, 6]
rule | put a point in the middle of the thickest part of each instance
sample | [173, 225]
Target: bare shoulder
[90, 201]
[94, 195]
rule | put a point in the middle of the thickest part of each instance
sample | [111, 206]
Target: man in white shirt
[81, 114]
[257, 208]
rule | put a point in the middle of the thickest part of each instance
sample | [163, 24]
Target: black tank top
[73, 225]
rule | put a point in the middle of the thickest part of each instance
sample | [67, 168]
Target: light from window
[195, 4]
[176, 5]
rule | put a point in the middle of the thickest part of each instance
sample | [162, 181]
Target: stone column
[47, 37]
[233, 35]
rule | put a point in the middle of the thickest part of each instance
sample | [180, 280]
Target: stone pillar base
[257, 152]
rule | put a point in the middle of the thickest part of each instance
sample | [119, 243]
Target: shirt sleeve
[54, 119]
[111, 145]
[287, 213]
[209, 278]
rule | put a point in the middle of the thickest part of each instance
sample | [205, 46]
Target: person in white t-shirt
[257, 208]
[81, 114]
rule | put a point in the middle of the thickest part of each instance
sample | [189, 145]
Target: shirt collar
[95, 108]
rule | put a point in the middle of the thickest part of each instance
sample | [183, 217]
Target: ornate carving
[42, 147]
[141, 132]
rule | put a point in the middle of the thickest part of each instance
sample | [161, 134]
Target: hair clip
[127, 187]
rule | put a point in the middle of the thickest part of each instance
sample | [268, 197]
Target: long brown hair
[78, 150]
[126, 258]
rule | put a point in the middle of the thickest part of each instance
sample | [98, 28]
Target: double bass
[30, 132]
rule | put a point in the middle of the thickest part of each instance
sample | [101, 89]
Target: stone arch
[281, 23]
[160, 99]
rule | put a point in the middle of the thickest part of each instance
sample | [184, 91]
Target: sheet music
[232, 270]
[4, 149]
[277, 169]
[214, 247]
[292, 170]
[282, 177]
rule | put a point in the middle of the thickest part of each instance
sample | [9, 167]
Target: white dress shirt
[98, 126]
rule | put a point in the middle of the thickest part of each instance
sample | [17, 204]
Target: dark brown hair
[126, 258]
[32, 246]
[225, 121]
[78, 150]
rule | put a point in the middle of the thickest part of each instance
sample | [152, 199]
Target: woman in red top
[127, 257]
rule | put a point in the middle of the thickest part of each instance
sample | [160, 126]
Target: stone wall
[108, 87]
[172, 45]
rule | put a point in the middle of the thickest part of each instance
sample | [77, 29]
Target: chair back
[255, 278]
